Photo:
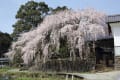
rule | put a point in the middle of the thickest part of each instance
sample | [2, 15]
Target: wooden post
[94, 45]
[72, 77]
[66, 77]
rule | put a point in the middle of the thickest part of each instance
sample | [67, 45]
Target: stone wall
[117, 63]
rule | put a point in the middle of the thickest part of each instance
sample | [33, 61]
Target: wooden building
[114, 29]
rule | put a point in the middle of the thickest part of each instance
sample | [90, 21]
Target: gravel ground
[113, 75]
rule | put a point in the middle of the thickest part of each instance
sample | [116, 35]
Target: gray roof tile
[113, 18]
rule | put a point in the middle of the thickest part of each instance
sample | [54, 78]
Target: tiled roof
[113, 18]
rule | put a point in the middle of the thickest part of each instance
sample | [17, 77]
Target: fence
[67, 65]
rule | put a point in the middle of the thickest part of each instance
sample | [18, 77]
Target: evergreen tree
[5, 42]
[28, 17]
[59, 9]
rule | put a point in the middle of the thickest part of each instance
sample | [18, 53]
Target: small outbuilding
[4, 62]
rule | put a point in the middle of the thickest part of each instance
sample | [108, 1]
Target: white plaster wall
[116, 33]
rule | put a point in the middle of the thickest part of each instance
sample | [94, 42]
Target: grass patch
[27, 75]
[40, 78]
[5, 69]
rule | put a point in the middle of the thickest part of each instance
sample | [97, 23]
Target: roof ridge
[114, 15]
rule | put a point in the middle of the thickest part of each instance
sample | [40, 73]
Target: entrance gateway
[113, 22]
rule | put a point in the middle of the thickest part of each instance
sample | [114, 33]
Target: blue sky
[8, 8]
